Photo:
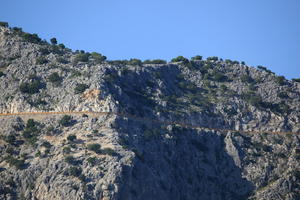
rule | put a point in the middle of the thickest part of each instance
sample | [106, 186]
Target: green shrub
[62, 46]
[19, 164]
[212, 58]
[156, 61]
[196, 58]
[46, 144]
[33, 38]
[255, 101]
[252, 98]
[230, 111]
[92, 160]
[228, 61]
[56, 49]
[283, 95]
[31, 87]
[75, 171]
[243, 63]
[41, 60]
[31, 126]
[223, 88]
[70, 160]
[2, 74]
[280, 80]
[296, 80]
[94, 147]
[66, 150]
[4, 24]
[261, 68]
[62, 60]
[10, 139]
[10, 150]
[53, 41]
[247, 79]
[44, 51]
[282, 108]
[180, 59]
[118, 62]
[17, 30]
[134, 61]
[80, 88]
[38, 102]
[31, 131]
[108, 151]
[252, 87]
[38, 154]
[219, 77]
[66, 120]
[82, 57]
[99, 58]
[55, 78]
[75, 73]
[71, 138]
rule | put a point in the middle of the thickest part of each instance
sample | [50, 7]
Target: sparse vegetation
[55, 78]
[66, 150]
[296, 80]
[71, 160]
[219, 77]
[134, 61]
[92, 160]
[71, 138]
[82, 57]
[10, 139]
[98, 58]
[41, 60]
[31, 131]
[53, 41]
[28, 37]
[94, 147]
[31, 87]
[212, 58]
[280, 80]
[4, 24]
[66, 120]
[156, 61]
[262, 68]
[283, 95]
[62, 60]
[80, 88]
[19, 164]
[1, 74]
[108, 151]
[75, 171]
[180, 59]
[46, 144]
[247, 79]
[196, 58]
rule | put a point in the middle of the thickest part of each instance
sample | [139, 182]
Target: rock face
[202, 129]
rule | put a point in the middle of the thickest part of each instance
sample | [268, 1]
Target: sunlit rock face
[202, 129]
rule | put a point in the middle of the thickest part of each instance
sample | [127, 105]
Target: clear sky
[259, 32]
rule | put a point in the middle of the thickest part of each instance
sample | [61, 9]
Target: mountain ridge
[87, 156]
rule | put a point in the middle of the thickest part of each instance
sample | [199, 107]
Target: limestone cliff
[194, 129]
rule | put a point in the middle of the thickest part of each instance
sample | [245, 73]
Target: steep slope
[153, 138]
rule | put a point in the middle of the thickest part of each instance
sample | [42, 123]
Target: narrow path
[140, 119]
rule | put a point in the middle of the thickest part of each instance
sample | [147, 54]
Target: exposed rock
[198, 130]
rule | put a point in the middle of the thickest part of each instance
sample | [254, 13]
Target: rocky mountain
[74, 125]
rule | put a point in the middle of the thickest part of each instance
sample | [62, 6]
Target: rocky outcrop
[190, 130]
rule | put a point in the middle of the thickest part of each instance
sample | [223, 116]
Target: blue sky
[259, 32]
